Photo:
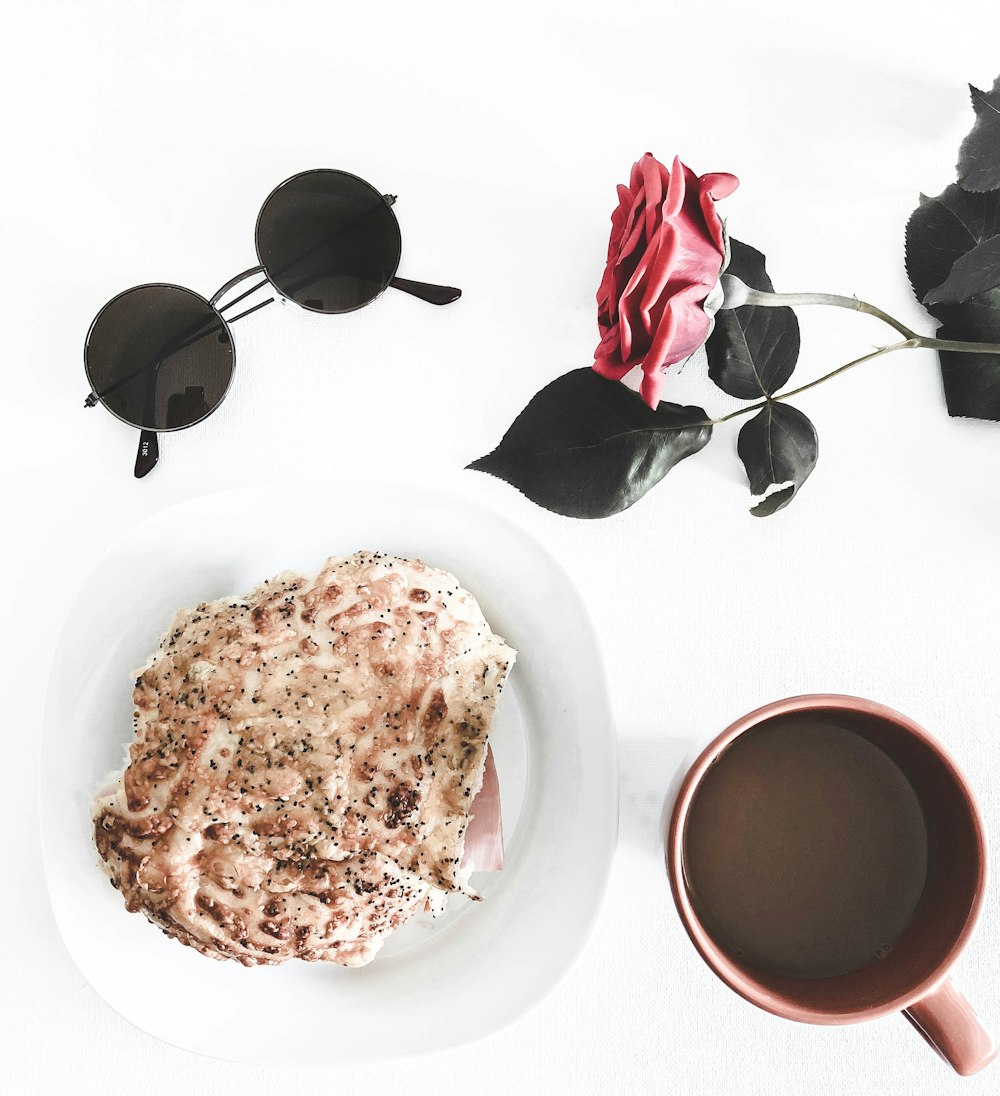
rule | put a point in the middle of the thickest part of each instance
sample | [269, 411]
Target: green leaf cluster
[953, 262]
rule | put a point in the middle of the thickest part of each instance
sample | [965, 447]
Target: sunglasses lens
[328, 241]
[159, 357]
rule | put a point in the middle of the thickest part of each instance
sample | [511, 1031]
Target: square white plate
[438, 983]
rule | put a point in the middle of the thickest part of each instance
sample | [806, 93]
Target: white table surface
[140, 140]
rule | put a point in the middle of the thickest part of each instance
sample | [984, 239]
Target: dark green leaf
[752, 351]
[977, 319]
[587, 447]
[979, 156]
[971, 382]
[943, 232]
[943, 229]
[974, 272]
[778, 446]
[775, 501]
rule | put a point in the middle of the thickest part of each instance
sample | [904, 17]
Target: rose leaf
[971, 382]
[779, 448]
[976, 320]
[974, 272]
[752, 351]
[952, 244]
[588, 447]
[943, 229]
[773, 502]
[979, 157]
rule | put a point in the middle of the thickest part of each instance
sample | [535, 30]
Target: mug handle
[947, 1021]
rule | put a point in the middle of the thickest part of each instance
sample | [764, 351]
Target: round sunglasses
[161, 358]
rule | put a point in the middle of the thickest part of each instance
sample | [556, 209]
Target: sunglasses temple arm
[432, 294]
[148, 452]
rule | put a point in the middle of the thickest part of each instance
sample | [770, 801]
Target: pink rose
[664, 259]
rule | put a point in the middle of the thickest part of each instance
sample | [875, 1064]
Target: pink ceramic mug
[913, 977]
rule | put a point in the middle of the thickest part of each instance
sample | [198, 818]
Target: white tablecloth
[141, 140]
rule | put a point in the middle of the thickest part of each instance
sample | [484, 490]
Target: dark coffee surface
[805, 849]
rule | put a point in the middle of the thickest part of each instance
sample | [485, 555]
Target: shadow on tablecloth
[650, 770]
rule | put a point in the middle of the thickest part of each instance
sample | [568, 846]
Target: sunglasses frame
[389, 200]
[158, 285]
[147, 455]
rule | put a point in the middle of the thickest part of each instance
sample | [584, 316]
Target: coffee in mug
[828, 861]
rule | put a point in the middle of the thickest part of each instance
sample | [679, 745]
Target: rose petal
[634, 288]
[676, 191]
[635, 232]
[652, 183]
[682, 328]
[666, 244]
[624, 332]
[719, 184]
[612, 369]
[635, 178]
[711, 188]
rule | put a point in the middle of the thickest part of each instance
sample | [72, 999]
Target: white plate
[435, 985]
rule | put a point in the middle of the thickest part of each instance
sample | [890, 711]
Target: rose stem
[878, 352]
[737, 293]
